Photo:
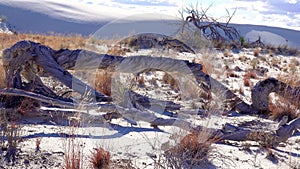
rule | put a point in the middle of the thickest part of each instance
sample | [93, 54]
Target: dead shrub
[9, 137]
[256, 51]
[281, 107]
[168, 79]
[141, 81]
[192, 150]
[231, 74]
[292, 80]
[103, 82]
[118, 50]
[100, 159]
[2, 76]
[250, 75]
[72, 150]
[246, 82]
[227, 53]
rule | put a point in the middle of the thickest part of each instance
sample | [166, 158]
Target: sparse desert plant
[275, 61]
[250, 75]
[3, 18]
[193, 150]
[117, 50]
[72, 150]
[294, 66]
[241, 91]
[37, 144]
[227, 53]
[103, 82]
[168, 79]
[242, 58]
[256, 51]
[100, 159]
[254, 62]
[2, 76]
[247, 82]
[242, 41]
[292, 80]
[141, 81]
[231, 74]
[55, 41]
[281, 107]
[9, 136]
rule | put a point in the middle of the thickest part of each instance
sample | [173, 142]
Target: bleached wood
[25, 57]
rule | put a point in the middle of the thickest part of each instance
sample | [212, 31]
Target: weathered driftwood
[261, 91]
[24, 58]
[154, 40]
[86, 60]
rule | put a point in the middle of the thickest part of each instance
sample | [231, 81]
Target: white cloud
[291, 1]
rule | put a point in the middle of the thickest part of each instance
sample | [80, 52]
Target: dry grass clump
[282, 107]
[193, 150]
[9, 137]
[231, 74]
[168, 79]
[72, 150]
[256, 51]
[141, 81]
[103, 82]
[254, 62]
[292, 80]
[294, 65]
[100, 159]
[118, 50]
[227, 53]
[249, 75]
[283, 50]
[2, 76]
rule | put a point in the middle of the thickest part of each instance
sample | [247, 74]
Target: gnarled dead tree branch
[23, 59]
[210, 27]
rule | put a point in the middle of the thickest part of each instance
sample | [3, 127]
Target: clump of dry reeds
[193, 150]
[249, 75]
[100, 159]
[103, 82]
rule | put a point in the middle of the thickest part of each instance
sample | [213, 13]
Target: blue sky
[281, 13]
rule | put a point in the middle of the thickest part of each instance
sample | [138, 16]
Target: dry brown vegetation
[100, 159]
[193, 150]
[103, 82]
[249, 75]
[282, 107]
[118, 50]
[55, 41]
[168, 79]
